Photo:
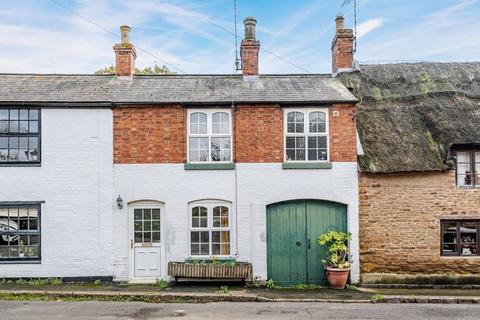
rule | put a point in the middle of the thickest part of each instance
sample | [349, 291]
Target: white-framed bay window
[210, 228]
[209, 135]
[306, 134]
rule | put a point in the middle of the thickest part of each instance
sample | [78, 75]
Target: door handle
[131, 243]
[298, 243]
[309, 245]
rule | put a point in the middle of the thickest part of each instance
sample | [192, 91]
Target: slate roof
[78, 89]
[411, 114]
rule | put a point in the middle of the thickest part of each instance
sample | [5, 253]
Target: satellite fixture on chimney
[344, 3]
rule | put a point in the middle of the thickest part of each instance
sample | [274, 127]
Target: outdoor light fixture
[119, 202]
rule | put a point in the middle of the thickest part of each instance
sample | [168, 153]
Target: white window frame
[210, 204]
[306, 128]
[210, 134]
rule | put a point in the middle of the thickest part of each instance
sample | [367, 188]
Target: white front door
[146, 245]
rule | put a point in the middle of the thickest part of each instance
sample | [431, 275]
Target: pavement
[18, 310]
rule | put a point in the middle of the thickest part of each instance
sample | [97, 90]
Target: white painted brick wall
[76, 182]
[257, 185]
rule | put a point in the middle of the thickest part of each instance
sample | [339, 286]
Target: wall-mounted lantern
[119, 202]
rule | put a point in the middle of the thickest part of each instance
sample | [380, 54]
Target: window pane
[3, 126]
[295, 122]
[198, 149]
[468, 236]
[13, 126]
[13, 114]
[317, 148]
[295, 148]
[33, 114]
[147, 236]
[3, 143]
[33, 126]
[23, 126]
[3, 114]
[220, 122]
[155, 236]
[23, 114]
[220, 149]
[317, 122]
[147, 214]
[221, 242]
[156, 214]
[198, 123]
[464, 174]
[137, 214]
[220, 217]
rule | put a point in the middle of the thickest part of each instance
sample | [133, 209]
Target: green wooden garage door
[293, 227]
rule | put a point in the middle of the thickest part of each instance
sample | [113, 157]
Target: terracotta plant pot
[337, 278]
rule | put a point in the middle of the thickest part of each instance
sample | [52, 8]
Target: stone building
[420, 169]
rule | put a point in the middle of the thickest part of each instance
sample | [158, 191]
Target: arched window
[306, 142]
[209, 136]
[210, 229]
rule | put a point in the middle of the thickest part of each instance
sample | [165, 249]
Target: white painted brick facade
[84, 234]
[75, 181]
[250, 188]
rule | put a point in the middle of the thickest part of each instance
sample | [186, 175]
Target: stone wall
[400, 222]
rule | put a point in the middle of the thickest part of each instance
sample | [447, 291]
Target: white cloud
[368, 26]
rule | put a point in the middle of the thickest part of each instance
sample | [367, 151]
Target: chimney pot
[339, 21]
[250, 24]
[125, 34]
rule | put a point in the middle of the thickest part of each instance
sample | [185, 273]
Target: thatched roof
[410, 114]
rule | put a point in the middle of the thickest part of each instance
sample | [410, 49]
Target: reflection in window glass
[19, 135]
[19, 232]
[210, 232]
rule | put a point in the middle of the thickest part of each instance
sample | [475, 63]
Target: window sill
[20, 262]
[209, 166]
[306, 165]
[13, 164]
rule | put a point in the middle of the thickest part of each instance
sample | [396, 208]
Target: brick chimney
[125, 54]
[342, 47]
[249, 48]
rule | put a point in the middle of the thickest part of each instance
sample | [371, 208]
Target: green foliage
[145, 71]
[36, 282]
[338, 252]
[214, 260]
[377, 297]
[21, 282]
[161, 283]
[303, 286]
[270, 284]
[256, 282]
[225, 289]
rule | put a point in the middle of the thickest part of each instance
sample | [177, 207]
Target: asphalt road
[13, 310]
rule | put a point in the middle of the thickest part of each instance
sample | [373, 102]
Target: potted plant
[337, 264]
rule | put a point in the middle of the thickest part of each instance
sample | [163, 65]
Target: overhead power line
[163, 60]
[116, 36]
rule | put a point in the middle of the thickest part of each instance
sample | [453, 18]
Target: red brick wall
[149, 134]
[342, 50]
[258, 133]
[158, 134]
[124, 59]
[249, 51]
[343, 133]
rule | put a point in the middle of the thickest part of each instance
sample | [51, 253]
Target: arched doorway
[293, 227]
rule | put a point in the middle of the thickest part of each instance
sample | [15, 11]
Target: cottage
[117, 175]
[420, 169]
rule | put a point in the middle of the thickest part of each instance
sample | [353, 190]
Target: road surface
[19, 310]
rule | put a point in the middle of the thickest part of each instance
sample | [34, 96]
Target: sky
[196, 36]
